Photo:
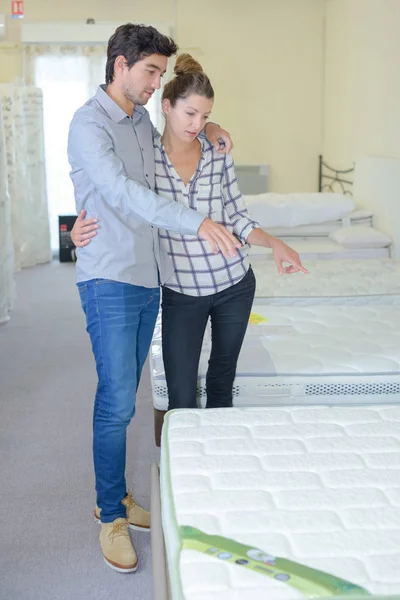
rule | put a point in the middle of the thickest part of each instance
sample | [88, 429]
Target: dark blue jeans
[184, 319]
[120, 320]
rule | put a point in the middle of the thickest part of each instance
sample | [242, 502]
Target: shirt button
[147, 174]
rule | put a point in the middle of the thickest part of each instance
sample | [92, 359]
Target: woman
[204, 284]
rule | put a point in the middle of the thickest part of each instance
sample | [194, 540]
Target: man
[110, 149]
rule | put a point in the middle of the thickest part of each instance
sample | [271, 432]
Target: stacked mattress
[321, 226]
[282, 504]
[375, 281]
[307, 355]
[356, 217]
[321, 249]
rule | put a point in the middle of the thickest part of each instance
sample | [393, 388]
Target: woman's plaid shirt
[212, 191]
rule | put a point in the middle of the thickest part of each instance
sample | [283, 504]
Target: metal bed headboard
[335, 180]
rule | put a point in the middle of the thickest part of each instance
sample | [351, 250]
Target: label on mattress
[311, 582]
[256, 319]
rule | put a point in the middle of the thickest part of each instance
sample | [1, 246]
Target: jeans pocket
[249, 280]
[251, 276]
[83, 293]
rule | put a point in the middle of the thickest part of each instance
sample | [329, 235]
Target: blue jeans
[120, 320]
[184, 320]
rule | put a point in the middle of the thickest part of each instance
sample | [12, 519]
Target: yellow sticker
[256, 319]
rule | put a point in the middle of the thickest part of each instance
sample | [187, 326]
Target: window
[68, 76]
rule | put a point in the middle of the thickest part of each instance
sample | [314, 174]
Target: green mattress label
[311, 582]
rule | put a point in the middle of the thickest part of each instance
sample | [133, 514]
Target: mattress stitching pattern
[322, 484]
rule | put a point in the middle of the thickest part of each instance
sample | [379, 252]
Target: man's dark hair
[135, 42]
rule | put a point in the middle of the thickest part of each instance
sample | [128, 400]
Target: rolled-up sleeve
[91, 149]
[234, 203]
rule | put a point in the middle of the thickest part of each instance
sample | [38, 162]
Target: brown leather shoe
[138, 518]
[116, 546]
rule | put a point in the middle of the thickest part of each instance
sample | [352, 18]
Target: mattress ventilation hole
[160, 391]
[352, 389]
[201, 391]
[317, 389]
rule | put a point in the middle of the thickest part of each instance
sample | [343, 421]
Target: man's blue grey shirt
[112, 169]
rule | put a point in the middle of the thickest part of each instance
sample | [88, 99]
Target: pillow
[292, 210]
[360, 236]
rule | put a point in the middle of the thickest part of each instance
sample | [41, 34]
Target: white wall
[292, 77]
[264, 57]
[101, 10]
[265, 60]
[362, 82]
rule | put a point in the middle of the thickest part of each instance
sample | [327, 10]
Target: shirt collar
[204, 143]
[205, 146]
[115, 112]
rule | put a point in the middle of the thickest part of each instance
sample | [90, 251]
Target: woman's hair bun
[187, 64]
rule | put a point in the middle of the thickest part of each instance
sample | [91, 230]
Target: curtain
[22, 122]
[7, 287]
[67, 76]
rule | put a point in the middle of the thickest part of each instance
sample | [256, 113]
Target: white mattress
[318, 486]
[357, 217]
[307, 355]
[375, 281]
[319, 248]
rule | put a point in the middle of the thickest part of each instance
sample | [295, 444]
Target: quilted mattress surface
[307, 353]
[321, 248]
[375, 281]
[243, 489]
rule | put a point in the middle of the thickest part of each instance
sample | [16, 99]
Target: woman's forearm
[259, 237]
[281, 252]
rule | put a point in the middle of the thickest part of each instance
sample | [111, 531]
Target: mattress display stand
[161, 585]
[158, 424]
